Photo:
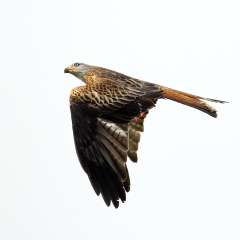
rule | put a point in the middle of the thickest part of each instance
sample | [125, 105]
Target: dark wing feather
[102, 151]
[101, 115]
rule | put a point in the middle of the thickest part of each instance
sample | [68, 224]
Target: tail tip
[214, 114]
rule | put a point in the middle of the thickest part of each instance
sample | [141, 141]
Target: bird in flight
[108, 113]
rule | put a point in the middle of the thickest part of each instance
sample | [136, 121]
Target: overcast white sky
[186, 184]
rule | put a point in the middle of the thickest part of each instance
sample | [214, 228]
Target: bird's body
[107, 116]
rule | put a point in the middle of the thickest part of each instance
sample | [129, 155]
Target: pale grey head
[77, 69]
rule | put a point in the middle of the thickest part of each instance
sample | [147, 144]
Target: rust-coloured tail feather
[190, 100]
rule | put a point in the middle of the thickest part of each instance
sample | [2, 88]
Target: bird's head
[77, 69]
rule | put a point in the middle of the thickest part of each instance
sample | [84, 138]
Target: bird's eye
[76, 64]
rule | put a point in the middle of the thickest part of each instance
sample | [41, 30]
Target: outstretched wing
[102, 151]
[101, 118]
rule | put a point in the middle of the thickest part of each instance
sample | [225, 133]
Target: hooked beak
[66, 70]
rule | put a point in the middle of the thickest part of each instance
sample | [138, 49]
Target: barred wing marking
[102, 151]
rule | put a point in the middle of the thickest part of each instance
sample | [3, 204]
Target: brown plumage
[107, 118]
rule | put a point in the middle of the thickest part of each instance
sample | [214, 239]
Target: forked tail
[190, 100]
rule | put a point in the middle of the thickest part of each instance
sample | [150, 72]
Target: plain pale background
[187, 181]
